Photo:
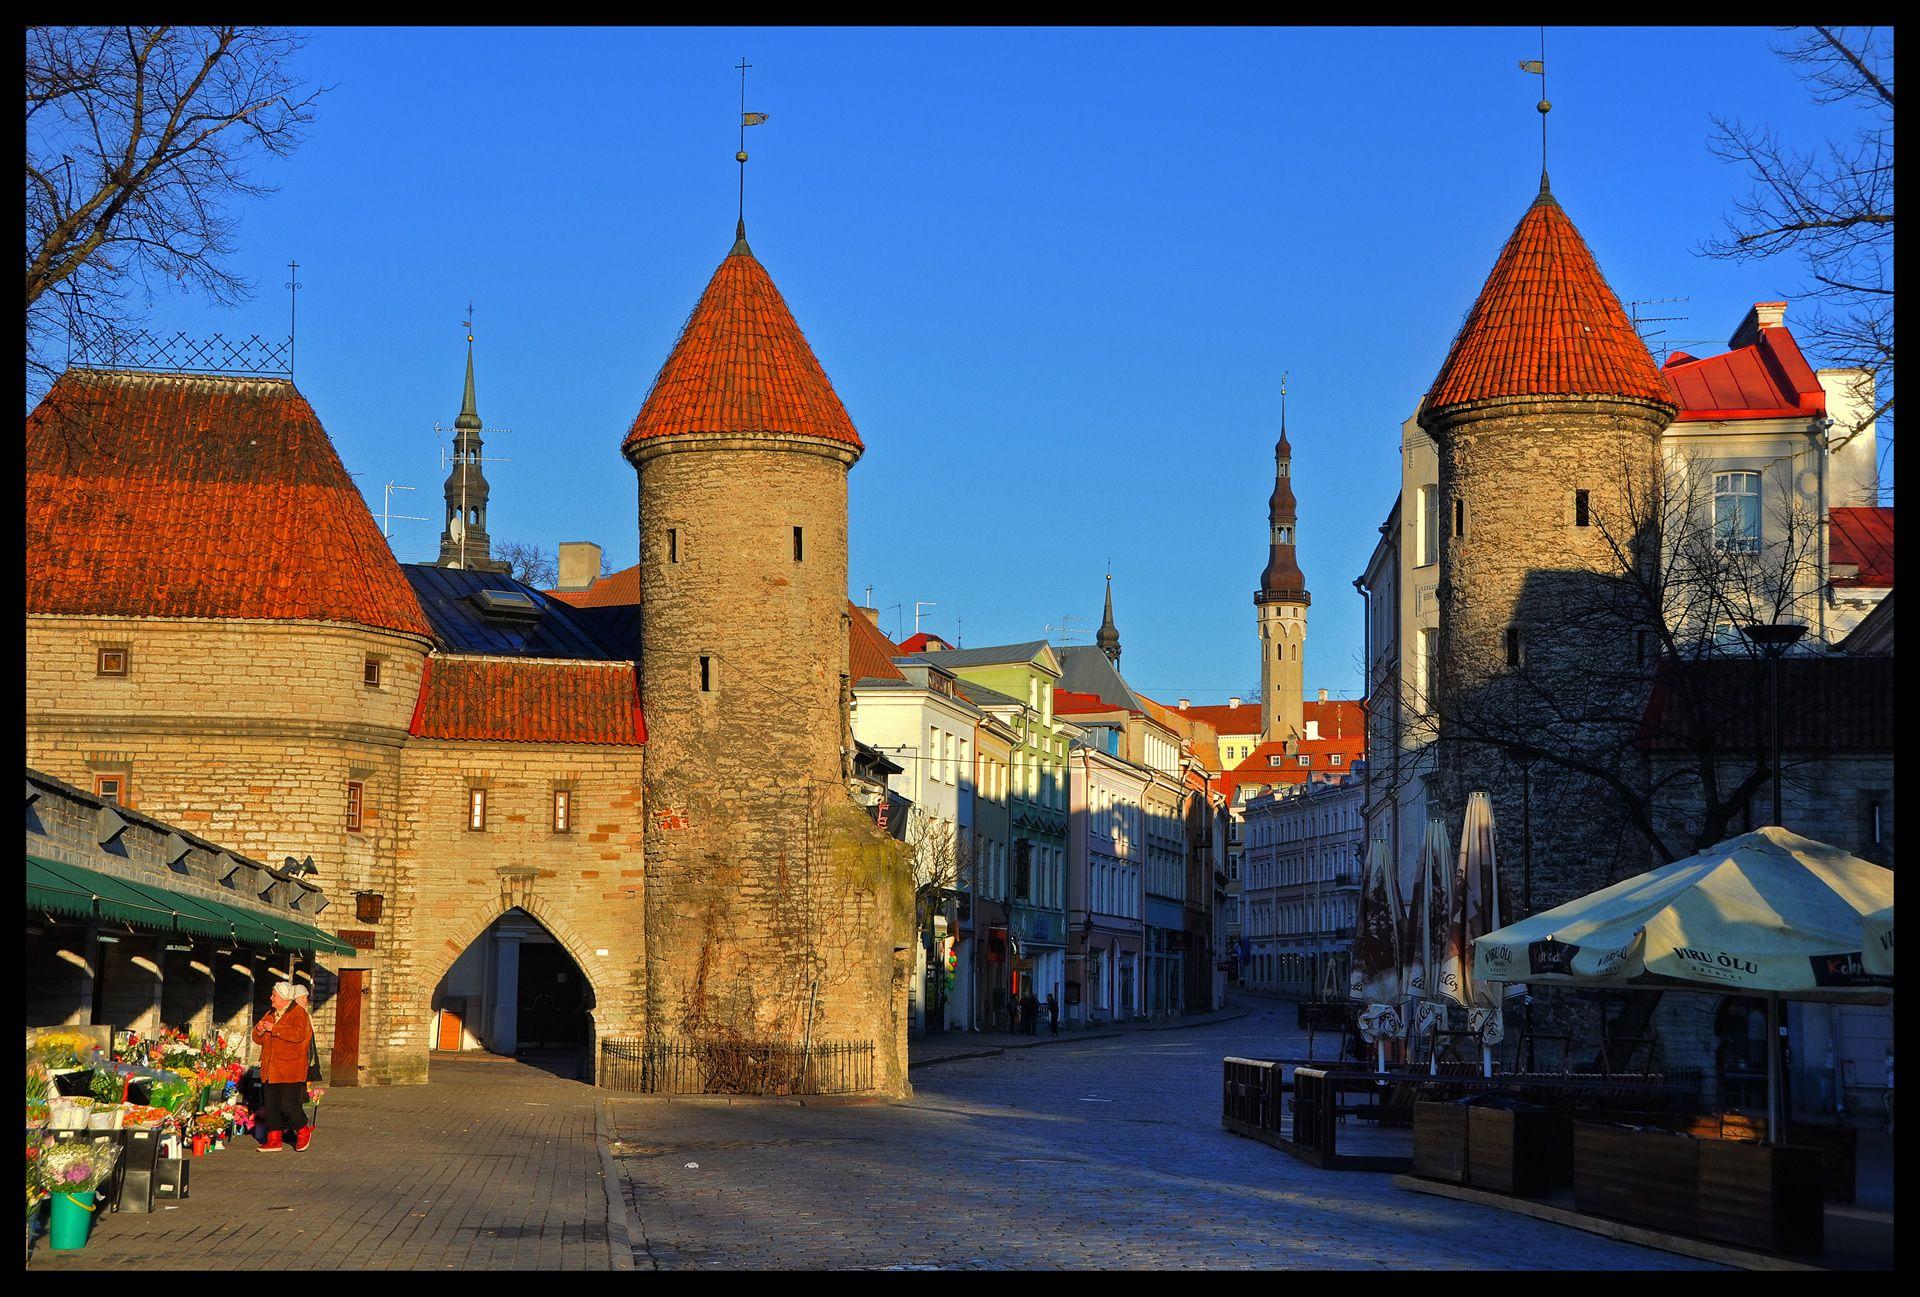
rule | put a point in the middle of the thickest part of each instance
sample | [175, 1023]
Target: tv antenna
[388, 516]
[918, 604]
[1665, 345]
[1066, 630]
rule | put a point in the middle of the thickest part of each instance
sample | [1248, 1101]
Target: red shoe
[302, 1138]
[275, 1143]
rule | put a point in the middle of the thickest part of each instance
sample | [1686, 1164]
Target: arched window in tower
[473, 517]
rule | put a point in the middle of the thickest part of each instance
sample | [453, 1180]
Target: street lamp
[1774, 640]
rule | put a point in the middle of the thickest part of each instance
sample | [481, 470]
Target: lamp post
[1774, 640]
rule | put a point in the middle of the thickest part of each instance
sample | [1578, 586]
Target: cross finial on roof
[746, 119]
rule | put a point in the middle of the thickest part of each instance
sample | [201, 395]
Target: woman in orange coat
[284, 1035]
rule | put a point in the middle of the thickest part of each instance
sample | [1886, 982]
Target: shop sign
[358, 938]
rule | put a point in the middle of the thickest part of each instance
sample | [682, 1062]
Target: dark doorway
[552, 998]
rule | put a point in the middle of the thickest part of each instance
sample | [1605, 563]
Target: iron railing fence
[736, 1067]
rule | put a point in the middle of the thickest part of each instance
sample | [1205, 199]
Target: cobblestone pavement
[493, 1165]
[926, 1051]
[1093, 1153]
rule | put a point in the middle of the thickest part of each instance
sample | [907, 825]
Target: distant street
[1083, 1154]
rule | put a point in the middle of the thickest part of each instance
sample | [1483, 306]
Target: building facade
[1303, 871]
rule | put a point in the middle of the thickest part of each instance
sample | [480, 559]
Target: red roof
[1546, 324]
[506, 700]
[742, 366]
[1861, 538]
[1067, 702]
[870, 653]
[173, 495]
[616, 588]
[1767, 379]
[919, 641]
[1244, 719]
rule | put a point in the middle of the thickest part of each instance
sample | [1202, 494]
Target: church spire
[1108, 637]
[463, 540]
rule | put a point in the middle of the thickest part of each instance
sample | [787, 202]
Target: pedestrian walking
[1053, 1012]
[1031, 1009]
[284, 1035]
[1013, 1015]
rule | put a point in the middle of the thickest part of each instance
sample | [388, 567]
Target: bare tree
[528, 564]
[1665, 609]
[138, 142]
[940, 856]
[1835, 212]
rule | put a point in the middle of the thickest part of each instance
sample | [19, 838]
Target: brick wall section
[752, 929]
[587, 886]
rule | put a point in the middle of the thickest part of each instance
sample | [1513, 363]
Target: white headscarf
[286, 990]
[300, 991]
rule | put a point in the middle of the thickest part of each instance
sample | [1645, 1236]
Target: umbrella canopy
[1768, 913]
[1376, 977]
[1433, 974]
[1482, 908]
[1878, 952]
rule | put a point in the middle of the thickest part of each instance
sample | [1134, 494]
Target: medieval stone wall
[586, 886]
[769, 913]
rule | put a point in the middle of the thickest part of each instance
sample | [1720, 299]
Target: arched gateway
[518, 988]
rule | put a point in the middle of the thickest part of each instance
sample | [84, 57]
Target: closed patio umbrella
[1768, 913]
[1432, 963]
[1878, 954]
[1482, 908]
[1376, 980]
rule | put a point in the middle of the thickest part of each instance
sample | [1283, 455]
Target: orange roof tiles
[742, 366]
[1067, 702]
[870, 654]
[1546, 324]
[616, 588]
[172, 495]
[506, 700]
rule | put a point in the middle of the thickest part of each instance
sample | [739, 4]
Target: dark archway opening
[515, 992]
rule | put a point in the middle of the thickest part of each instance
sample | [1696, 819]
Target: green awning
[82, 893]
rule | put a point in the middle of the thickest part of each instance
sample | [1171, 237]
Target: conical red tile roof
[175, 495]
[1546, 324]
[742, 366]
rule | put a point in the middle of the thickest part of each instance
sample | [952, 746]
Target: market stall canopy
[1878, 955]
[1768, 912]
[81, 893]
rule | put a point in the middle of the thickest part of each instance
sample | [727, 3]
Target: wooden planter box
[1645, 1177]
[1838, 1145]
[1761, 1196]
[1515, 1151]
[1440, 1141]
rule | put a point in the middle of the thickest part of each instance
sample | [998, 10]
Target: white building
[1106, 897]
[1301, 876]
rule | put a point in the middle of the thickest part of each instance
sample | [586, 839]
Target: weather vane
[1283, 400]
[467, 323]
[746, 119]
[1539, 68]
[293, 286]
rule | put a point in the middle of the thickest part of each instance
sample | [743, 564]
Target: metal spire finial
[746, 119]
[293, 286]
[469, 417]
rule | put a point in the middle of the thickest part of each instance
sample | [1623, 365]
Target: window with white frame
[1427, 526]
[1736, 512]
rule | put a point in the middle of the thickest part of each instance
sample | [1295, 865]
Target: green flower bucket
[72, 1220]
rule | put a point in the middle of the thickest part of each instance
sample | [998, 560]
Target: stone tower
[1547, 414]
[463, 539]
[768, 919]
[1280, 605]
[1108, 636]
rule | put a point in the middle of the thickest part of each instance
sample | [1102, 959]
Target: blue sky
[1055, 276]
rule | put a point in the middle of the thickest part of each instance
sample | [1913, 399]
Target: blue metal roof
[563, 631]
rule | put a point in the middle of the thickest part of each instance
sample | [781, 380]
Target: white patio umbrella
[1768, 913]
[1482, 908]
[1433, 975]
[1376, 978]
[1877, 954]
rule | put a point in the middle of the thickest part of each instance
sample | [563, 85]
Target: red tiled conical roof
[175, 495]
[1546, 324]
[742, 366]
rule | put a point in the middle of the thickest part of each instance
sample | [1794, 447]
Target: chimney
[579, 564]
[1764, 315]
[872, 614]
[1323, 695]
[1183, 704]
[1233, 702]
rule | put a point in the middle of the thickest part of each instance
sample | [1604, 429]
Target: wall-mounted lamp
[367, 906]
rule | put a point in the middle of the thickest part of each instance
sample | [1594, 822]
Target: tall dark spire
[1108, 637]
[1282, 580]
[463, 540]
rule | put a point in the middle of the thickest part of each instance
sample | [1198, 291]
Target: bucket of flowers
[73, 1174]
[39, 1096]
